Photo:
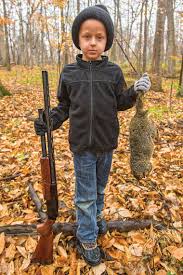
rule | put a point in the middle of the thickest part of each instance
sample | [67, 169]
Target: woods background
[38, 32]
[36, 35]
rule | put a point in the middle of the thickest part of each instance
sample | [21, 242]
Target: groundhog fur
[142, 133]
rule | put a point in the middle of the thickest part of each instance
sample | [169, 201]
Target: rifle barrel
[52, 205]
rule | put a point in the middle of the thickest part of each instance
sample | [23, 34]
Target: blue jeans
[91, 172]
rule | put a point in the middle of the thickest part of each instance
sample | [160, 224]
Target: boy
[90, 93]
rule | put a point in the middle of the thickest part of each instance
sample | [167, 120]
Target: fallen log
[70, 228]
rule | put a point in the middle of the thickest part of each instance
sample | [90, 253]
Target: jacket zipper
[91, 105]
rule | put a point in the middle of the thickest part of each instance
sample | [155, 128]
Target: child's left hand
[143, 84]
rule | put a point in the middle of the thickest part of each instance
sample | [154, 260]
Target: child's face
[92, 39]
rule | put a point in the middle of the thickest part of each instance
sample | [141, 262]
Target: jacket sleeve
[126, 98]
[61, 113]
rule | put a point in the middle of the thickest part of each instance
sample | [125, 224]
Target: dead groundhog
[142, 133]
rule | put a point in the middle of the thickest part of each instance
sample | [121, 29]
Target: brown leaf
[174, 236]
[108, 243]
[2, 242]
[10, 252]
[137, 237]
[119, 246]
[80, 264]
[3, 266]
[30, 244]
[45, 270]
[56, 240]
[170, 248]
[99, 269]
[178, 253]
[161, 272]
[3, 210]
[25, 264]
[22, 251]
[124, 213]
[73, 263]
[136, 250]
[117, 254]
[63, 254]
[152, 209]
[11, 268]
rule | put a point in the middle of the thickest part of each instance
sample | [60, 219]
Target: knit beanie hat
[98, 12]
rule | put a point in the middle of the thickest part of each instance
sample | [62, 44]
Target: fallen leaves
[159, 196]
[175, 252]
[124, 213]
[99, 269]
[136, 250]
[25, 264]
[2, 242]
[22, 251]
[45, 270]
[10, 252]
[63, 254]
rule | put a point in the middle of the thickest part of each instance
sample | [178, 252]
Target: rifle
[44, 250]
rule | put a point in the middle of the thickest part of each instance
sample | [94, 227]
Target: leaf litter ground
[159, 196]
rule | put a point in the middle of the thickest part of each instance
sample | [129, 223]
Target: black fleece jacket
[90, 94]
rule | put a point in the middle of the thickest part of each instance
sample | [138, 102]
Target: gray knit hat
[98, 12]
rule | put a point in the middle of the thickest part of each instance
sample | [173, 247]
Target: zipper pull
[90, 65]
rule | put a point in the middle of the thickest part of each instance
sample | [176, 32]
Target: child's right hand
[40, 127]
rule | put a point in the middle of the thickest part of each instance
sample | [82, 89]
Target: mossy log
[70, 228]
[3, 90]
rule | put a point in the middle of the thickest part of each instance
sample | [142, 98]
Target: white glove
[143, 84]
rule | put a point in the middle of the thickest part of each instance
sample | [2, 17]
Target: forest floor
[159, 196]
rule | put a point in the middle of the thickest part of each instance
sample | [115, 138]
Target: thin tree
[171, 45]
[180, 89]
[145, 38]
[139, 46]
[7, 59]
[78, 6]
[158, 38]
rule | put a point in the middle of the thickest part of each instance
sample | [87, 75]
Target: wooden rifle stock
[44, 250]
[46, 177]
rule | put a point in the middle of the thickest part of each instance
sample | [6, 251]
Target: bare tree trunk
[128, 29]
[158, 39]
[64, 34]
[120, 55]
[150, 39]
[62, 30]
[49, 40]
[171, 46]
[13, 45]
[2, 45]
[113, 55]
[26, 44]
[31, 39]
[139, 69]
[78, 6]
[145, 38]
[21, 42]
[157, 47]
[180, 89]
[7, 60]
